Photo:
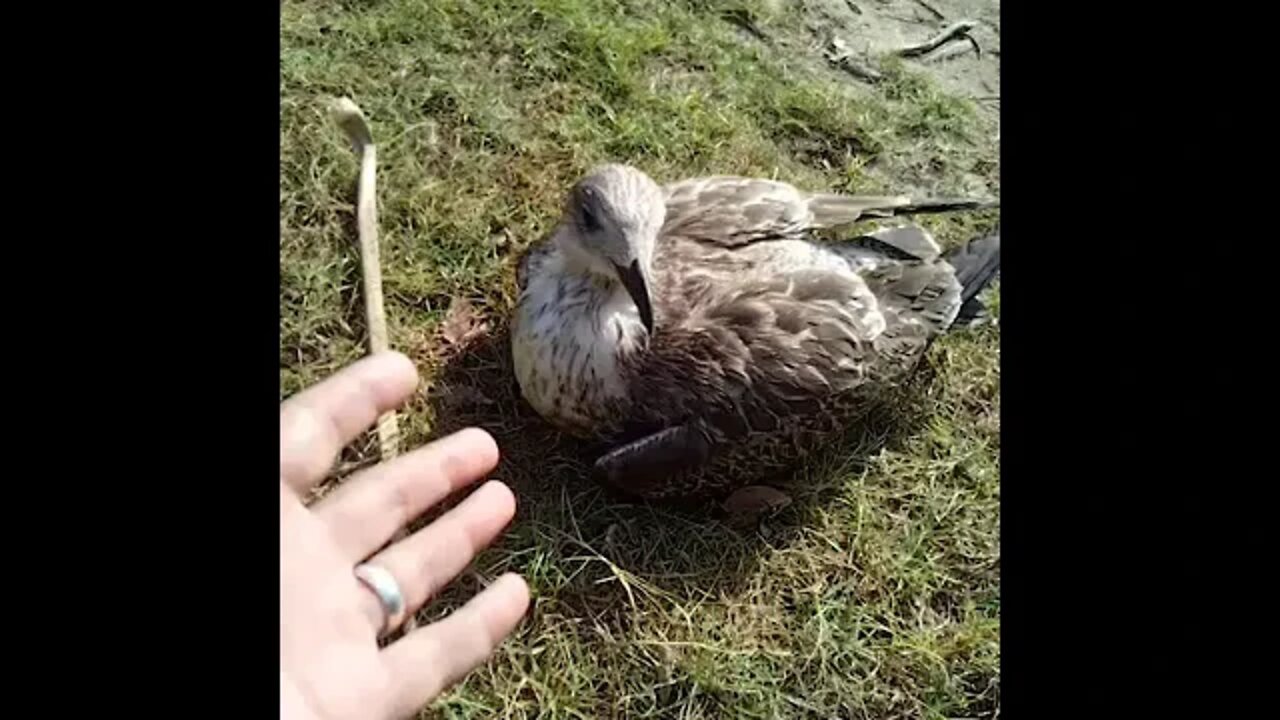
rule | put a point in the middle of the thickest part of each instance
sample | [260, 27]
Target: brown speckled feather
[766, 367]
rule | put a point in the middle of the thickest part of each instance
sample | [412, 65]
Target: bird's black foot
[654, 464]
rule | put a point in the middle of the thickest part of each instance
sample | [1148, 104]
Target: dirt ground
[865, 30]
[874, 27]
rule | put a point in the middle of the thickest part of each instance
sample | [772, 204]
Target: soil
[868, 29]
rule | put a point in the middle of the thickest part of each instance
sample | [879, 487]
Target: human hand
[330, 664]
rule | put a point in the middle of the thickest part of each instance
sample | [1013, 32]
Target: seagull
[705, 334]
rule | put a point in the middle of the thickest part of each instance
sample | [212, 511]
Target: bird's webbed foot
[651, 465]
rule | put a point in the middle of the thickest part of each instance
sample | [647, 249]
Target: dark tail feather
[977, 263]
[942, 205]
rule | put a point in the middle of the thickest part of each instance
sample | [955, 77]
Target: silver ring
[384, 586]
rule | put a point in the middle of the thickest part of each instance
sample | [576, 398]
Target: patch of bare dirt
[845, 38]
[870, 28]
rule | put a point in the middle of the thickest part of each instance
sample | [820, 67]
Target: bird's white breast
[568, 335]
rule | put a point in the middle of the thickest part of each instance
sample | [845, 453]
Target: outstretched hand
[330, 662]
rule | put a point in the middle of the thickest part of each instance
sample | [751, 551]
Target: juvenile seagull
[705, 335]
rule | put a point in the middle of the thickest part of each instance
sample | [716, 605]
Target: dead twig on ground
[955, 31]
[916, 20]
[951, 52]
[933, 10]
[841, 55]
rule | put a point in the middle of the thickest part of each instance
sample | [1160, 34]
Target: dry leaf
[755, 500]
[462, 324]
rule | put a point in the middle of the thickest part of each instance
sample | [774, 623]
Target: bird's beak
[633, 280]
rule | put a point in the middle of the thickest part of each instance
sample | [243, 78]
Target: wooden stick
[933, 10]
[352, 121]
[952, 32]
[953, 51]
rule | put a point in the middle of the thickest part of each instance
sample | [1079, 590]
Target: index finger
[318, 422]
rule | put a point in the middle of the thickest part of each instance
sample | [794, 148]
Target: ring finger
[425, 561]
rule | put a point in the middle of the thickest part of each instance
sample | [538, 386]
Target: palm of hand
[331, 665]
[325, 640]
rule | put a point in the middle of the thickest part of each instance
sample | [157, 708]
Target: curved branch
[955, 31]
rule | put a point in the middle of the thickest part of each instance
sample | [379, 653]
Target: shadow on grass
[594, 554]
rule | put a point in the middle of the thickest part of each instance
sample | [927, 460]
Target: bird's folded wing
[731, 211]
[763, 351]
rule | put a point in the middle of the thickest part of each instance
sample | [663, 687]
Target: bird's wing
[730, 210]
[776, 343]
[764, 357]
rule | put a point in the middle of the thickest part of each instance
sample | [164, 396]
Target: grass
[876, 594]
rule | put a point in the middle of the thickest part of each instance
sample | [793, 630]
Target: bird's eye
[589, 221]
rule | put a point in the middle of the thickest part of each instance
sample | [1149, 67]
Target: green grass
[876, 594]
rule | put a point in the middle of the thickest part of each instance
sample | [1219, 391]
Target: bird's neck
[610, 316]
[606, 302]
[575, 261]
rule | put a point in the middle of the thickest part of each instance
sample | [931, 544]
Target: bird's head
[612, 218]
